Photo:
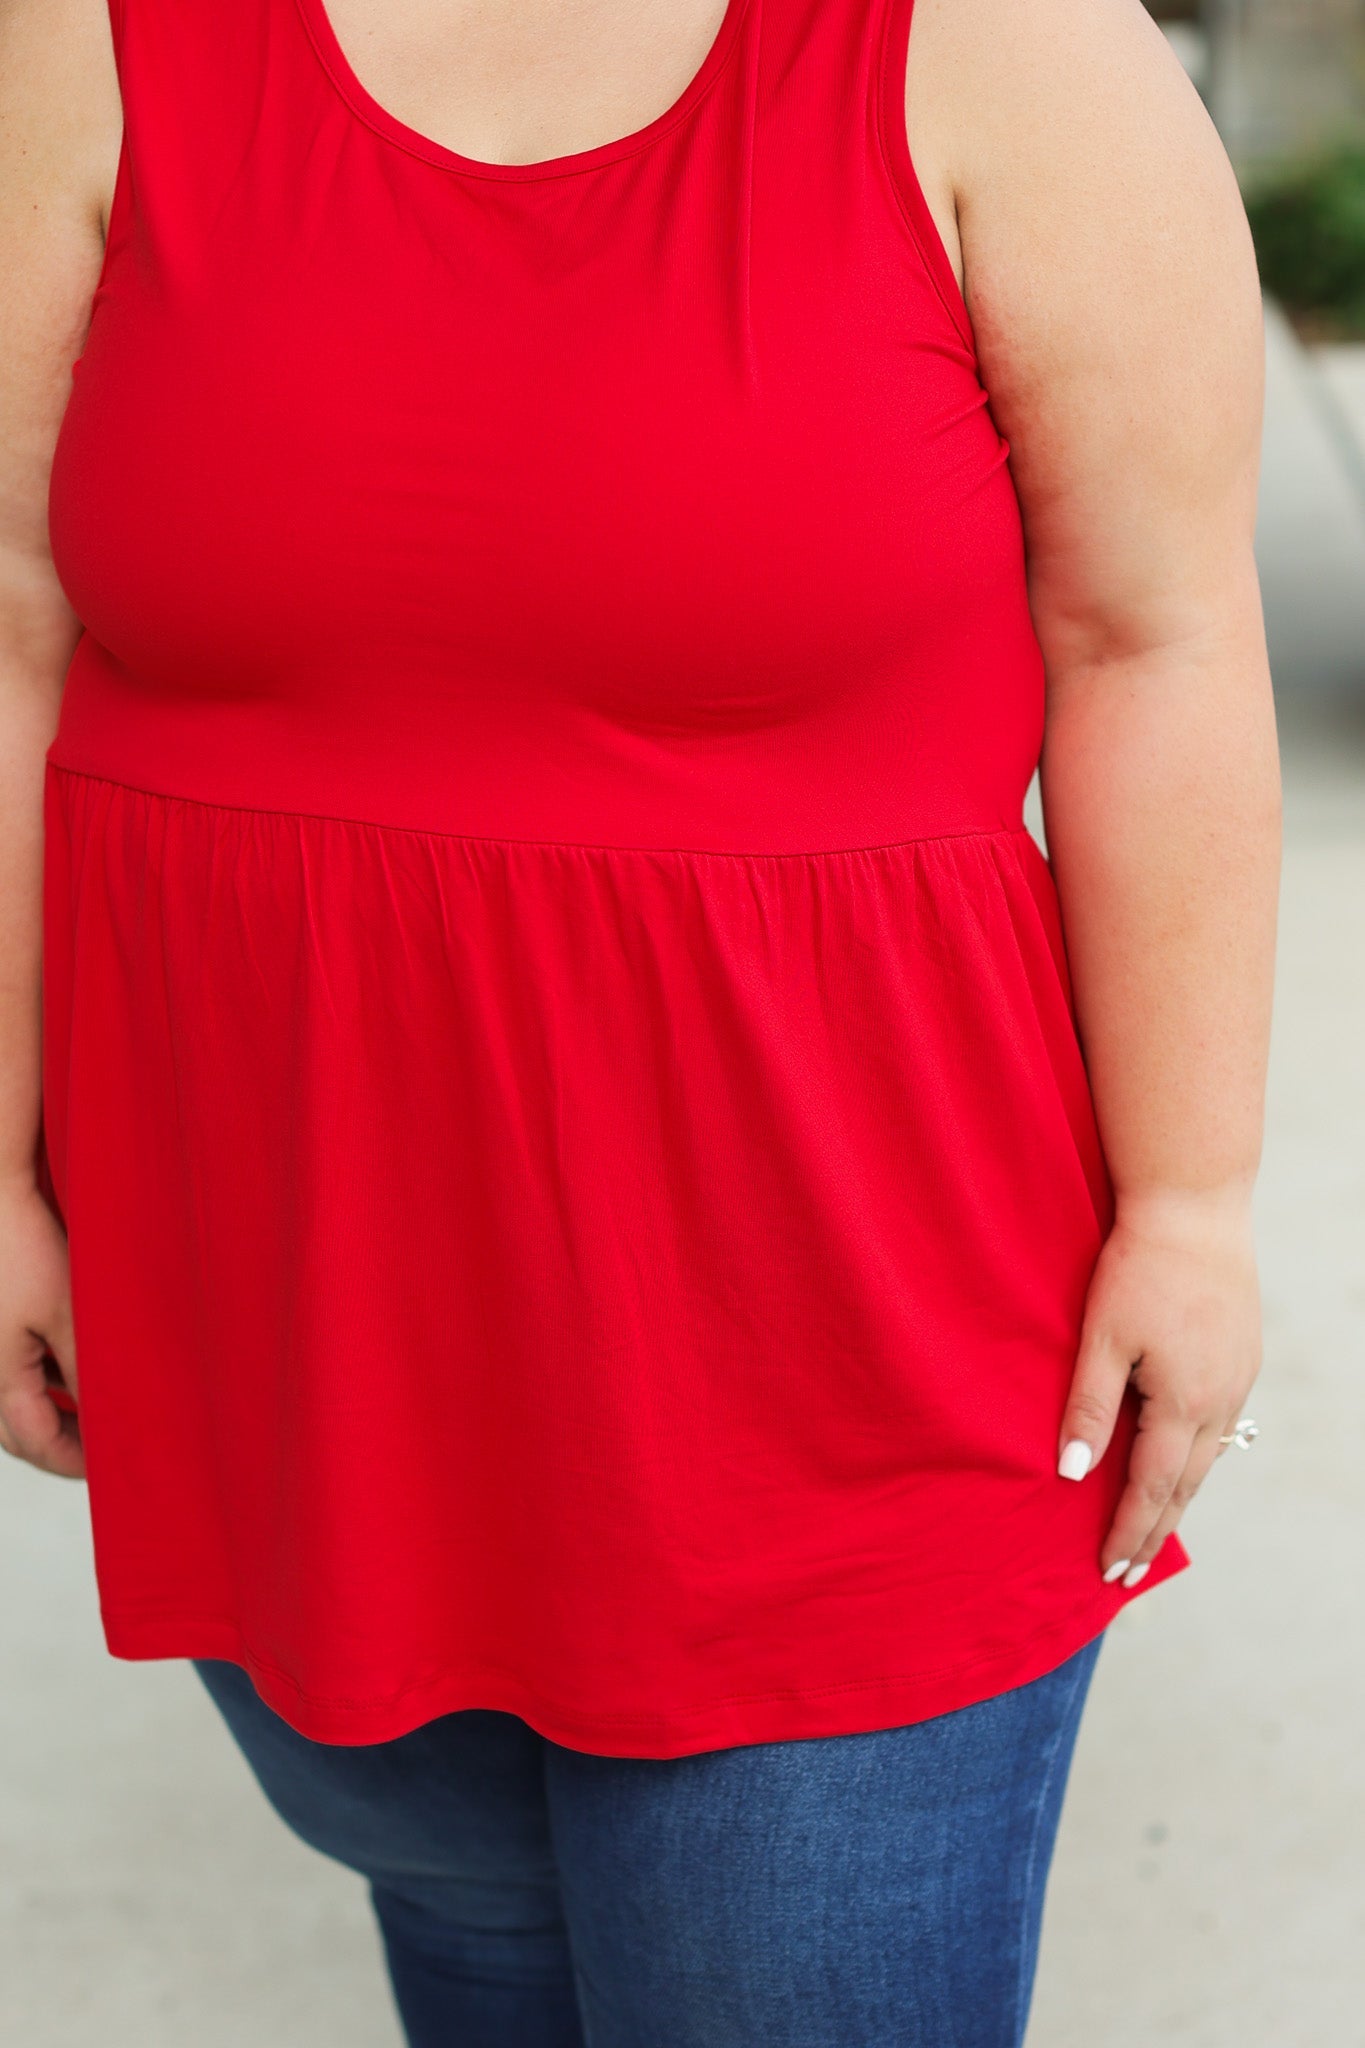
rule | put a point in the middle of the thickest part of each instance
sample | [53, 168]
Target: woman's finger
[1204, 1453]
[1160, 1453]
[33, 1428]
[60, 1338]
[1098, 1381]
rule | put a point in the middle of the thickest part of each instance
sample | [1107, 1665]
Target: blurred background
[1209, 1887]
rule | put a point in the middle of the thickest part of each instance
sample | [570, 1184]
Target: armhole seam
[119, 201]
[897, 157]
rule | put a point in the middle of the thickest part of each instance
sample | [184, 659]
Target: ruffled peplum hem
[637, 1289]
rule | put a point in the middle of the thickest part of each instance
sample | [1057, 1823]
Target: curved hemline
[167, 796]
[857, 1707]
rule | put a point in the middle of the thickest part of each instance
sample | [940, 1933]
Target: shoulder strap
[192, 76]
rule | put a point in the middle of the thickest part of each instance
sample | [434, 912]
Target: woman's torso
[538, 908]
[689, 480]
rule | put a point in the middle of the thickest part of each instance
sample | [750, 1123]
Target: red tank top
[560, 1073]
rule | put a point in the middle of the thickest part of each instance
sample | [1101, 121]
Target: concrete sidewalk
[1208, 1890]
[1311, 526]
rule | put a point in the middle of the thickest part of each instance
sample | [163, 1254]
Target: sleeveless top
[560, 1073]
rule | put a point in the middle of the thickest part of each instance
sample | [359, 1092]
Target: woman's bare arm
[59, 135]
[1111, 280]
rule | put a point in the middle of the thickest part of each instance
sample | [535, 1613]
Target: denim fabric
[879, 1890]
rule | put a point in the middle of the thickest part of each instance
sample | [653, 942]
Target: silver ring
[1245, 1434]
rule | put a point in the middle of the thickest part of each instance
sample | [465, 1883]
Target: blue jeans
[878, 1890]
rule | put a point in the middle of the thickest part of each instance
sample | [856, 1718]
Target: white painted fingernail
[1074, 1462]
[1139, 1571]
[1116, 1571]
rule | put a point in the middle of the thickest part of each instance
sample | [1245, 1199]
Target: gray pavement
[1209, 1888]
[1311, 529]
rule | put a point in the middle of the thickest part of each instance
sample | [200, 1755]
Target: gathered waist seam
[1020, 831]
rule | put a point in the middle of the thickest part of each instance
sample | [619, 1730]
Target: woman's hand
[35, 1318]
[1174, 1303]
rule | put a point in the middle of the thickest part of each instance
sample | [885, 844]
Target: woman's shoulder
[1112, 287]
[1096, 209]
[999, 89]
[60, 133]
[61, 117]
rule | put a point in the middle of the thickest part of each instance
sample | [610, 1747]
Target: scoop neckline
[368, 109]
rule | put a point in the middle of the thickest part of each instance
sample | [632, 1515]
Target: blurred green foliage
[1308, 224]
